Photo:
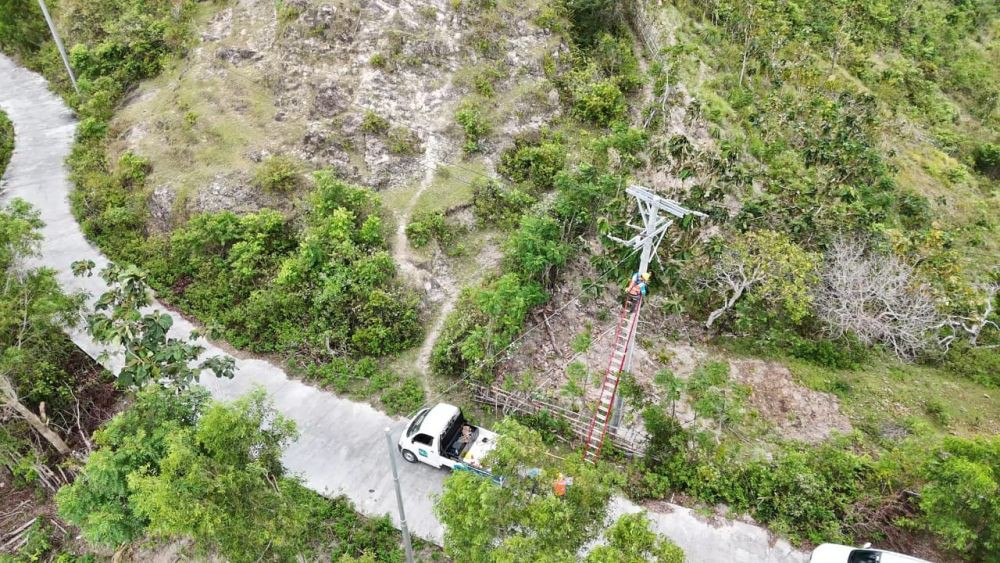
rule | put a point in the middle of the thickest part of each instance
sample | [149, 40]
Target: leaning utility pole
[648, 240]
[399, 498]
[59, 43]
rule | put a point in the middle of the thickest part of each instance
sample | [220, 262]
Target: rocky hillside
[368, 88]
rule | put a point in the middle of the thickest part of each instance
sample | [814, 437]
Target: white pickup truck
[441, 437]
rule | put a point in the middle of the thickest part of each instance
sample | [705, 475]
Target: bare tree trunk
[714, 315]
[24, 412]
[9, 399]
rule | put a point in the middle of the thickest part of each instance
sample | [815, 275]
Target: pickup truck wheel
[409, 456]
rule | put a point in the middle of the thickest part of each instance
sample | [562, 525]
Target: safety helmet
[645, 276]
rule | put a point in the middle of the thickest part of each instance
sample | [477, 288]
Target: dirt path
[436, 281]
[438, 286]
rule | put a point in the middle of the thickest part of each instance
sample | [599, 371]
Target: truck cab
[441, 437]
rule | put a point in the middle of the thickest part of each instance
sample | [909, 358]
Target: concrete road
[341, 448]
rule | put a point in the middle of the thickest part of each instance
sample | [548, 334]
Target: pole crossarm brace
[654, 226]
[642, 195]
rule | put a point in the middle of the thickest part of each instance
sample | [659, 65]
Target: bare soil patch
[798, 412]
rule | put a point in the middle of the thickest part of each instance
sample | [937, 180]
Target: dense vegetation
[529, 519]
[799, 122]
[841, 138]
[318, 286]
[837, 491]
[323, 284]
[51, 394]
[211, 472]
[326, 286]
[6, 141]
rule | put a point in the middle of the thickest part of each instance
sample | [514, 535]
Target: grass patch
[892, 392]
[451, 188]
[194, 128]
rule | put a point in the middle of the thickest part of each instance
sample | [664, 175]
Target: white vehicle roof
[438, 418]
[834, 553]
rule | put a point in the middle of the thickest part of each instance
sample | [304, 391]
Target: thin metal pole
[399, 498]
[59, 44]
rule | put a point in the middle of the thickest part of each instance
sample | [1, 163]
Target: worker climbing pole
[607, 415]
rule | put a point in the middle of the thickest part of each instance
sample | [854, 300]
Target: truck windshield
[417, 421]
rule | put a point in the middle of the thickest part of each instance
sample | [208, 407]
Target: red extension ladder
[598, 429]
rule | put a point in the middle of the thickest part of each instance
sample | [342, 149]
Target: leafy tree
[100, 501]
[150, 355]
[494, 203]
[523, 519]
[631, 541]
[985, 156]
[537, 248]
[591, 17]
[770, 267]
[600, 102]
[536, 161]
[22, 28]
[175, 465]
[485, 322]
[220, 483]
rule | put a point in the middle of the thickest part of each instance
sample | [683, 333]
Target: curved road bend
[341, 449]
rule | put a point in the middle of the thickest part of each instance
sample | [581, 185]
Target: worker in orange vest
[636, 289]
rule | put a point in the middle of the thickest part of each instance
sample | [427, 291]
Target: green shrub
[475, 125]
[617, 61]
[536, 248]
[600, 102]
[275, 286]
[404, 398]
[961, 500]
[374, 123]
[496, 204]
[981, 365]
[628, 143]
[536, 161]
[485, 79]
[403, 141]
[987, 159]
[589, 18]
[378, 60]
[936, 409]
[6, 141]
[844, 354]
[714, 395]
[430, 226]
[483, 323]
[277, 174]
[548, 426]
